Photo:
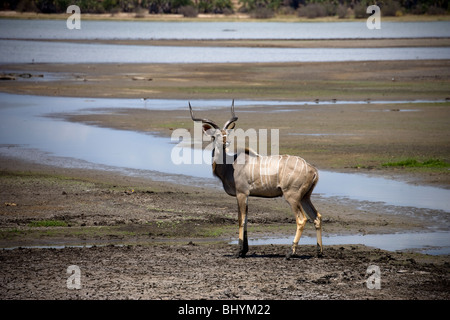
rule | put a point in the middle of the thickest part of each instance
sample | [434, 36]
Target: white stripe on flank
[285, 166]
[249, 168]
[265, 172]
[304, 167]
[253, 171]
[269, 171]
[278, 170]
[260, 173]
[293, 171]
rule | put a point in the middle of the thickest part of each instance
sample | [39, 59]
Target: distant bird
[145, 102]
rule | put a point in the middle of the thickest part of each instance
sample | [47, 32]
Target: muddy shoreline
[155, 240]
[211, 272]
[351, 80]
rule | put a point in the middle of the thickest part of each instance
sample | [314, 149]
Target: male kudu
[246, 173]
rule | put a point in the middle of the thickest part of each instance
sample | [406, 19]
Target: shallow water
[23, 41]
[19, 51]
[363, 187]
[56, 29]
[26, 132]
[436, 243]
[433, 243]
[25, 125]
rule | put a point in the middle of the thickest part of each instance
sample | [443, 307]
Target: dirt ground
[197, 271]
[158, 240]
[351, 80]
[148, 240]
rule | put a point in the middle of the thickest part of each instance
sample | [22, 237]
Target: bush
[330, 8]
[140, 12]
[188, 11]
[26, 6]
[227, 11]
[287, 10]
[360, 11]
[160, 6]
[434, 10]
[262, 13]
[223, 6]
[205, 6]
[312, 10]
[257, 8]
[390, 8]
[341, 11]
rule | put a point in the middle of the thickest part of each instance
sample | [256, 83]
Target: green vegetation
[259, 9]
[413, 163]
[116, 6]
[90, 232]
[48, 223]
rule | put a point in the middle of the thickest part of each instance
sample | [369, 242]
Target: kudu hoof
[319, 252]
[289, 255]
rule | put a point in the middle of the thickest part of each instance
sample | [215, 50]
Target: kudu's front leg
[242, 200]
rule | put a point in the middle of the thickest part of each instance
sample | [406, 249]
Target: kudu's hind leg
[317, 219]
[300, 219]
[313, 215]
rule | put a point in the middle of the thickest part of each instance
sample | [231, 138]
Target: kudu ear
[231, 126]
[208, 129]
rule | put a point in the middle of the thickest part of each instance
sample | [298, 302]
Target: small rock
[138, 78]
[7, 77]
[10, 204]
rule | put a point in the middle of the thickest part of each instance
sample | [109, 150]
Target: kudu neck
[222, 167]
[221, 159]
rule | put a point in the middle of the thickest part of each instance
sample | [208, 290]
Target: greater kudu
[246, 173]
